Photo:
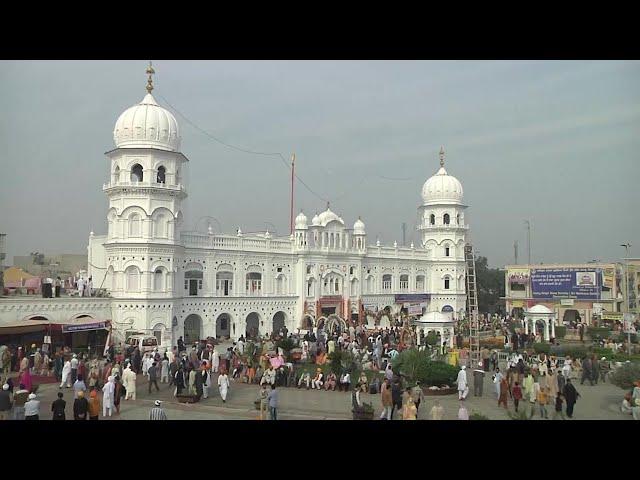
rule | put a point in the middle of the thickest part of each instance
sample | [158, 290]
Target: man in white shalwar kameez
[463, 384]
[129, 383]
[215, 362]
[223, 385]
[80, 283]
[108, 397]
[66, 374]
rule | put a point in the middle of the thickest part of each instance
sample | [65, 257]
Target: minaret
[145, 193]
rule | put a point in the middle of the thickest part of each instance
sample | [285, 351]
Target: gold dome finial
[442, 156]
[150, 72]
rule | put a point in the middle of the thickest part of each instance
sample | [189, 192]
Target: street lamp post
[625, 298]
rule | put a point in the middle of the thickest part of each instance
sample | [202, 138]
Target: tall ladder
[472, 305]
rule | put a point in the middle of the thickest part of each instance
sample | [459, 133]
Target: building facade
[174, 283]
[573, 292]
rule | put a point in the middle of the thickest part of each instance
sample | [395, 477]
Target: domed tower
[443, 232]
[145, 195]
[301, 241]
[359, 235]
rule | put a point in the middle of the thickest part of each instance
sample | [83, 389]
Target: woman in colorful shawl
[25, 379]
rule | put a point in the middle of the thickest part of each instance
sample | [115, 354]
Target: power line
[279, 154]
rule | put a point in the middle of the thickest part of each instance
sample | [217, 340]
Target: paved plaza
[600, 402]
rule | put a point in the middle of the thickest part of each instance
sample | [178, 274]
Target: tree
[490, 284]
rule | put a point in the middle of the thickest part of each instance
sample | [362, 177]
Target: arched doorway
[307, 322]
[253, 325]
[192, 329]
[278, 322]
[333, 323]
[157, 332]
[223, 325]
[571, 318]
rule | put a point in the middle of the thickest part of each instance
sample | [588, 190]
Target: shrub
[624, 376]
[600, 332]
[564, 350]
[285, 344]
[432, 338]
[560, 331]
[478, 416]
[542, 348]
[417, 366]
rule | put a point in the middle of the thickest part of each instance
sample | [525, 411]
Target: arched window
[193, 281]
[224, 283]
[136, 173]
[386, 282]
[132, 275]
[159, 226]
[254, 283]
[458, 219]
[420, 283]
[161, 175]
[446, 219]
[158, 280]
[446, 282]
[135, 225]
[310, 289]
[446, 250]
[116, 175]
[404, 282]
[432, 219]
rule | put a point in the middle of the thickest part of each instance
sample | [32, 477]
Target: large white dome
[147, 125]
[358, 227]
[329, 216]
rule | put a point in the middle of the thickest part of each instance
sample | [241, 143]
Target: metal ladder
[472, 305]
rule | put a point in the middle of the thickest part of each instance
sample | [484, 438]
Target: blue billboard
[579, 283]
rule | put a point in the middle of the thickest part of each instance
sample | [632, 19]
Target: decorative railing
[231, 242]
[163, 186]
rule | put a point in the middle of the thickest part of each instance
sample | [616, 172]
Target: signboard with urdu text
[580, 283]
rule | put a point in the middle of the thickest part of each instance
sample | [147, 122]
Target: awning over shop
[69, 326]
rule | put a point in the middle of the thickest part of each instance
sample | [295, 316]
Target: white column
[553, 327]
[546, 329]
[526, 325]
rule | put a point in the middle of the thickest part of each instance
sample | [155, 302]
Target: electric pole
[528, 241]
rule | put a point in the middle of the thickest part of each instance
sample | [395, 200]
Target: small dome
[315, 221]
[358, 227]
[329, 216]
[301, 221]
[539, 309]
[442, 188]
[147, 125]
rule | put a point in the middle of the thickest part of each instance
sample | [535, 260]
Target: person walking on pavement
[478, 380]
[80, 407]
[463, 385]
[587, 371]
[595, 369]
[558, 407]
[153, 376]
[94, 405]
[108, 397]
[396, 395]
[129, 382]
[5, 402]
[66, 375]
[223, 385]
[387, 400]
[74, 368]
[417, 395]
[437, 411]
[32, 408]
[516, 393]
[58, 408]
[272, 399]
[571, 397]
[20, 398]
[157, 413]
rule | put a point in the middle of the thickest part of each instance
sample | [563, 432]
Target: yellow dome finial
[442, 156]
[150, 72]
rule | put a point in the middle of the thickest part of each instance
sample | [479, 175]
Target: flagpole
[293, 170]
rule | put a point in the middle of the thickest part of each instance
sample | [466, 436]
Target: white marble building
[174, 283]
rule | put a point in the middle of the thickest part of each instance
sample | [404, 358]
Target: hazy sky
[555, 142]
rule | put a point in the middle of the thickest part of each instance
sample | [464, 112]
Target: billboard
[412, 297]
[518, 275]
[580, 283]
